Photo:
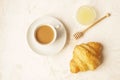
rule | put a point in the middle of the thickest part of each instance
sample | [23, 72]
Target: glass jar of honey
[86, 15]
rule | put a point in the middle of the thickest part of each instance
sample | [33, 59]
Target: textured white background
[19, 62]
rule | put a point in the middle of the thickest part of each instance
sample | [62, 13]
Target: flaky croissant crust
[86, 57]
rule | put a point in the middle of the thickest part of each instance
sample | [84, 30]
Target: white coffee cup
[45, 34]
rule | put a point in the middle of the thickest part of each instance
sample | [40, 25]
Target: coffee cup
[45, 34]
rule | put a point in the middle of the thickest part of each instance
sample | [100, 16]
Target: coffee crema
[44, 34]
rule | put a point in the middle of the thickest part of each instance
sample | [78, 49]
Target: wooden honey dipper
[77, 35]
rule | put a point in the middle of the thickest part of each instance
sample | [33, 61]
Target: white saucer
[51, 49]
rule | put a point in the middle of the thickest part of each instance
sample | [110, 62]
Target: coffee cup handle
[57, 26]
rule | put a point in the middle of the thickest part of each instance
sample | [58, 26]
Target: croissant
[86, 57]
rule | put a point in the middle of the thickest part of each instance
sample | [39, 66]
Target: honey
[86, 15]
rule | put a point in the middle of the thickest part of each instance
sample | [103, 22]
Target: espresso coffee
[44, 34]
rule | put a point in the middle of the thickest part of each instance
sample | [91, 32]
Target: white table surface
[19, 62]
